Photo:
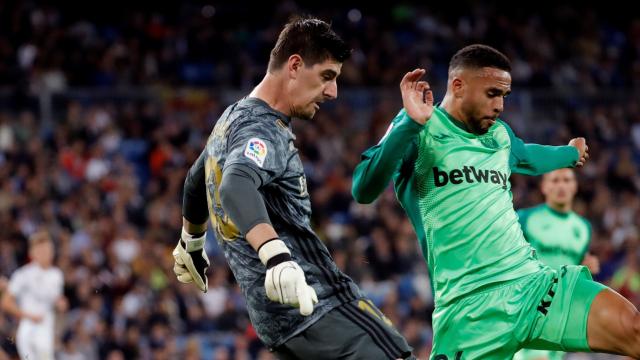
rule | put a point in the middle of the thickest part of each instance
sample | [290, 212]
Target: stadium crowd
[105, 175]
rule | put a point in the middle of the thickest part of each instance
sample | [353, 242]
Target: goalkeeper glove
[285, 282]
[191, 261]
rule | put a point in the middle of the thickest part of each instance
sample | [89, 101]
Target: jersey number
[219, 219]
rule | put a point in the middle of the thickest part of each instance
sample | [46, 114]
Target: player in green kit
[450, 165]
[559, 235]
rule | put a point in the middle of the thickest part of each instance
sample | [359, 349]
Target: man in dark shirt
[249, 182]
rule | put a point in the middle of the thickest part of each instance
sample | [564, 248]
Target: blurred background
[105, 105]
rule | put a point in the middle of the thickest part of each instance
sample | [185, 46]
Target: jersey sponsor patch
[256, 150]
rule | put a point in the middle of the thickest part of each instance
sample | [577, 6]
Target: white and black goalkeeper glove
[191, 261]
[285, 282]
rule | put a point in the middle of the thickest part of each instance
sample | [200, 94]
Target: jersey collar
[454, 124]
[556, 212]
[260, 102]
[460, 127]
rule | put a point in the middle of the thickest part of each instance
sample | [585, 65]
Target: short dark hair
[477, 56]
[312, 39]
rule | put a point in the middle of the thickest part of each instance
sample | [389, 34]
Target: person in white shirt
[33, 294]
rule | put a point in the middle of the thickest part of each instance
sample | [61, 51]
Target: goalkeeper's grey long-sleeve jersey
[253, 144]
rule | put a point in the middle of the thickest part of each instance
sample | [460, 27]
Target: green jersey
[454, 186]
[559, 238]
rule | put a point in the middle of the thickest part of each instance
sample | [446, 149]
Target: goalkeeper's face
[483, 93]
[559, 187]
[309, 86]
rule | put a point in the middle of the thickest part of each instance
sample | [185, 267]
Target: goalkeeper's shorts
[547, 310]
[353, 331]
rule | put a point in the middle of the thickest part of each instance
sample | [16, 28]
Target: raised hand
[417, 97]
[580, 144]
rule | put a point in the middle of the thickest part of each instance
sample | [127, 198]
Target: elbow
[225, 193]
[359, 186]
[232, 191]
[5, 302]
[360, 196]
[538, 172]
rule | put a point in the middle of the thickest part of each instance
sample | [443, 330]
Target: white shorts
[35, 341]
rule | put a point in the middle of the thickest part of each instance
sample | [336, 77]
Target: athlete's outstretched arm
[534, 159]
[190, 259]
[195, 211]
[380, 162]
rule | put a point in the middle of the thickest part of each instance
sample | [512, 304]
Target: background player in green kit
[450, 165]
[559, 235]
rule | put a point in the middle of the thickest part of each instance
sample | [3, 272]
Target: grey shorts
[353, 331]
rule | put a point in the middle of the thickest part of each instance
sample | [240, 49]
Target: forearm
[62, 304]
[379, 163]
[195, 211]
[192, 228]
[534, 159]
[544, 158]
[260, 234]
[10, 306]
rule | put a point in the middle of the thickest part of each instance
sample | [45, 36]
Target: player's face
[483, 96]
[560, 186]
[312, 86]
[42, 253]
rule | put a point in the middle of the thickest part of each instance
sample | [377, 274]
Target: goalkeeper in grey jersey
[249, 182]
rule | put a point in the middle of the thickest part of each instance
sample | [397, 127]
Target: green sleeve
[523, 216]
[378, 163]
[588, 245]
[534, 159]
